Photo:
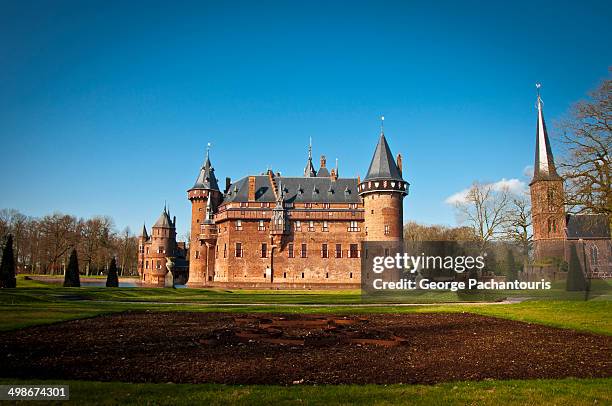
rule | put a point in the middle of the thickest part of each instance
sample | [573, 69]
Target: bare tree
[485, 211]
[587, 140]
[518, 226]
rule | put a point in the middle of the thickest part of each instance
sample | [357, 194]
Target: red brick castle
[267, 230]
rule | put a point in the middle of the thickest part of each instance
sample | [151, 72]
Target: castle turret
[383, 190]
[205, 197]
[162, 246]
[547, 196]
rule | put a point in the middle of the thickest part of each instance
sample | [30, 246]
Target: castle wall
[383, 216]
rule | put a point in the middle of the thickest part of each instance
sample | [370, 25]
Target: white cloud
[459, 197]
[528, 171]
[514, 186]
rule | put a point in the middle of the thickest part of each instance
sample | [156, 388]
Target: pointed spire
[206, 178]
[382, 125]
[309, 170]
[383, 165]
[544, 167]
[164, 220]
[144, 234]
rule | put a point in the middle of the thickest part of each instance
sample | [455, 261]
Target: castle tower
[142, 239]
[162, 247]
[383, 191]
[547, 196]
[205, 197]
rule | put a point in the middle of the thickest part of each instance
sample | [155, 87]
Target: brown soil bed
[273, 349]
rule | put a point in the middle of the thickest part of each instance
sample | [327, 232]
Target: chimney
[358, 179]
[333, 175]
[399, 162]
[323, 161]
[251, 188]
[228, 183]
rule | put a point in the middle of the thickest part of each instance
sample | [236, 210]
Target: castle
[270, 230]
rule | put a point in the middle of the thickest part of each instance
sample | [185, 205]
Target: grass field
[34, 303]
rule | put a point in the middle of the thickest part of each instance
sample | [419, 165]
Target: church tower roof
[144, 234]
[383, 165]
[206, 178]
[544, 167]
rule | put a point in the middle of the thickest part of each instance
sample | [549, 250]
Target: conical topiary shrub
[7, 267]
[576, 280]
[71, 278]
[112, 280]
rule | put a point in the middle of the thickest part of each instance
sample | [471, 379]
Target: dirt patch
[273, 349]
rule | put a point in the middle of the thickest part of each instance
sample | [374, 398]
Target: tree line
[42, 245]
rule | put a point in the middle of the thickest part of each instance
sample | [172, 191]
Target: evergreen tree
[576, 280]
[511, 266]
[71, 278]
[7, 267]
[112, 280]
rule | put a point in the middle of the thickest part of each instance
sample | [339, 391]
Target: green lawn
[532, 392]
[34, 303]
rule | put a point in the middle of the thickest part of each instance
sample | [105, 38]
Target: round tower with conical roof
[383, 190]
[162, 246]
[205, 197]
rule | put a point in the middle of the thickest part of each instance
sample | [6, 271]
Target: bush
[71, 278]
[112, 280]
[7, 267]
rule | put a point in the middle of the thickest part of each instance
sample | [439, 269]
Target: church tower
[547, 196]
[205, 197]
[383, 190]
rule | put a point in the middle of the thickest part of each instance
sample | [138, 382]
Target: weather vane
[538, 86]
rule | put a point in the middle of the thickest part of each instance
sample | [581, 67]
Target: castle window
[141, 249]
[325, 226]
[265, 205]
[353, 251]
[372, 211]
[238, 225]
[551, 199]
[311, 226]
[158, 265]
[216, 251]
[160, 250]
[197, 254]
[350, 275]
[302, 275]
[224, 250]
[308, 205]
[290, 250]
[554, 225]
[326, 275]
[387, 230]
[353, 226]
[244, 204]
[284, 274]
[303, 251]
[261, 226]
[147, 250]
[353, 206]
[238, 250]
[594, 255]
[264, 250]
[146, 264]
[326, 205]
[338, 250]
[298, 226]
[549, 225]
[324, 253]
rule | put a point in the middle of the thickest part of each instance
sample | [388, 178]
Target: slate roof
[302, 189]
[144, 234]
[544, 166]
[383, 165]
[587, 226]
[206, 178]
[323, 173]
[164, 220]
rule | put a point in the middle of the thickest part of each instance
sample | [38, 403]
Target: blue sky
[106, 107]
